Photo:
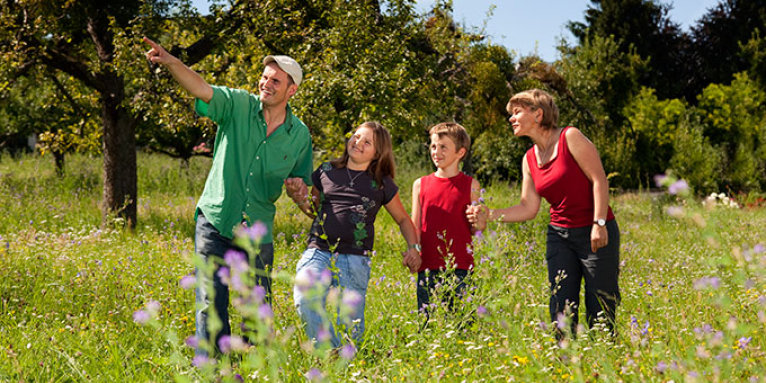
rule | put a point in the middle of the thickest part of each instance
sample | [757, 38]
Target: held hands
[411, 260]
[598, 237]
[297, 190]
[477, 215]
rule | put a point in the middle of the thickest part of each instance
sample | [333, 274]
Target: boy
[439, 203]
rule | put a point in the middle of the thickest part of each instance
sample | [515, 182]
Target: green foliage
[695, 159]
[734, 117]
[601, 81]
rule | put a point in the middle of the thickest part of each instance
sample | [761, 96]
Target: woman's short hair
[537, 99]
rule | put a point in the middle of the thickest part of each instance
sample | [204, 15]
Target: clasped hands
[477, 215]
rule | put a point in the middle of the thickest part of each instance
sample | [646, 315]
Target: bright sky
[528, 26]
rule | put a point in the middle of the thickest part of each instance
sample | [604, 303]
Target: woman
[583, 239]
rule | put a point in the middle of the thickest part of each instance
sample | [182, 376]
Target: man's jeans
[211, 246]
[314, 276]
[570, 260]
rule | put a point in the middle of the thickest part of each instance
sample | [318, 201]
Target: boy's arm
[411, 256]
[185, 76]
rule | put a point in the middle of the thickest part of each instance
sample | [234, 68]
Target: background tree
[78, 38]
[718, 41]
[642, 27]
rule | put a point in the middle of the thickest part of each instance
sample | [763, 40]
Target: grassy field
[693, 285]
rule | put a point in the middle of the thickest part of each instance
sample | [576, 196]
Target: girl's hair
[537, 99]
[383, 164]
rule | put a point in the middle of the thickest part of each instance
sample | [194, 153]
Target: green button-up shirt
[249, 168]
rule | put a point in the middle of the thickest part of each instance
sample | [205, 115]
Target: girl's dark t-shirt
[346, 217]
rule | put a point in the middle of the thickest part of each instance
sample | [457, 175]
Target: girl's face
[523, 119]
[361, 146]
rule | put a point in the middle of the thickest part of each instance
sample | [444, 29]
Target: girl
[347, 194]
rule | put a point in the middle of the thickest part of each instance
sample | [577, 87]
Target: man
[259, 145]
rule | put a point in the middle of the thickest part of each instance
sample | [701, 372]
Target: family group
[260, 145]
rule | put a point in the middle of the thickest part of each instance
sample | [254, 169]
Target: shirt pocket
[279, 165]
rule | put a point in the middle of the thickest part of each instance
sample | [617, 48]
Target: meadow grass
[693, 292]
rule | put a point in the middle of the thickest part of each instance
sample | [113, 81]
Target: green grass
[69, 288]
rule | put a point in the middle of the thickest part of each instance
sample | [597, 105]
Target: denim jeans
[314, 276]
[570, 260]
[211, 246]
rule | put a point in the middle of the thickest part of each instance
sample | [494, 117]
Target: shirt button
[248, 189]
[251, 173]
[257, 157]
[264, 141]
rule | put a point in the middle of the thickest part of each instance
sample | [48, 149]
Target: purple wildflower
[661, 367]
[759, 248]
[259, 293]
[224, 274]
[659, 179]
[352, 299]
[257, 231]
[481, 310]
[141, 317]
[678, 187]
[348, 351]
[313, 375]
[265, 312]
[201, 361]
[187, 282]
[192, 341]
[224, 344]
[236, 260]
[743, 342]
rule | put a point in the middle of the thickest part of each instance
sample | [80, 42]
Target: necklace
[544, 156]
[352, 178]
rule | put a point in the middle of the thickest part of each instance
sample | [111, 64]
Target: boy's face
[444, 152]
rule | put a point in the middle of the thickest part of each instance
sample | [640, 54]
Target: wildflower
[660, 179]
[313, 375]
[192, 341]
[323, 335]
[236, 260]
[348, 351]
[481, 310]
[187, 282]
[141, 317]
[224, 274]
[351, 299]
[561, 321]
[153, 307]
[259, 293]
[674, 211]
[255, 232]
[305, 279]
[678, 187]
[201, 361]
[661, 367]
[743, 342]
[265, 312]
[704, 282]
[759, 248]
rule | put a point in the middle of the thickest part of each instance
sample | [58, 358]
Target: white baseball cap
[287, 64]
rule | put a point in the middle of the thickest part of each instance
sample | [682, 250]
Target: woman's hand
[598, 237]
[477, 215]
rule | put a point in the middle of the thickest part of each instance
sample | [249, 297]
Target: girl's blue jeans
[316, 272]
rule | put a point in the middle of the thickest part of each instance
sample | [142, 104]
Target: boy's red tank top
[564, 185]
[443, 225]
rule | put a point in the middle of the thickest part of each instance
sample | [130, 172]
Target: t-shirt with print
[346, 217]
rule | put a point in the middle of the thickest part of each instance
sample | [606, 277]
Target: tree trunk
[120, 180]
[58, 158]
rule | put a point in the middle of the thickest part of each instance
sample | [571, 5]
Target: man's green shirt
[249, 168]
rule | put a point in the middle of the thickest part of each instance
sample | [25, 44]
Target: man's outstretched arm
[186, 77]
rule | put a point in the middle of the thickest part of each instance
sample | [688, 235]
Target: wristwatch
[600, 222]
[416, 246]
